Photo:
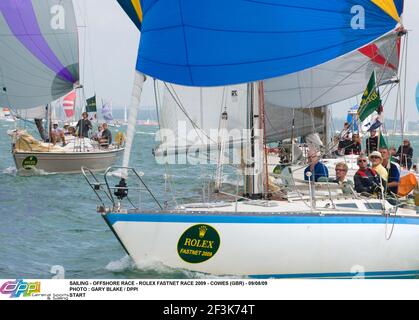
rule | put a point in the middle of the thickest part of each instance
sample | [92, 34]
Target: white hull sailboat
[290, 243]
[36, 72]
[66, 162]
[300, 235]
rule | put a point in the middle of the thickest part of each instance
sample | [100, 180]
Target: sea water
[49, 226]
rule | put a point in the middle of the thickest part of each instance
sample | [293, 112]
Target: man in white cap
[376, 159]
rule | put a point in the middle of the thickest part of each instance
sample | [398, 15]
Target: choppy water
[51, 220]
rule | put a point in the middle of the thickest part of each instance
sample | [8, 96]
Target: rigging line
[194, 125]
[399, 94]
[353, 72]
[404, 86]
[168, 176]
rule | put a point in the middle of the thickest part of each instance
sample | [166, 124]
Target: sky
[109, 45]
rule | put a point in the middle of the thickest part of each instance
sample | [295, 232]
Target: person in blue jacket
[317, 169]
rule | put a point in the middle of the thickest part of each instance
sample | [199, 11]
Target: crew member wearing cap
[367, 181]
[376, 163]
[405, 154]
[393, 172]
[57, 134]
[316, 168]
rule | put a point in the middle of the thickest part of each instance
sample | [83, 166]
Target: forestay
[39, 52]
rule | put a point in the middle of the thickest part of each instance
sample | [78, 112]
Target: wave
[33, 172]
[10, 171]
[158, 270]
[121, 265]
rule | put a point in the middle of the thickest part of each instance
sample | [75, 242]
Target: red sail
[69, 104]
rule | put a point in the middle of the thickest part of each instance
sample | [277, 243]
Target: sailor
[367, 181]
[341, 170]
[317, 168]
[393, 172]
[121, 189]
[355, 146]
[405, 154]
[372, 142]
[106, 137]
[57, 134]
[377, 164]
[84, 126]
[345, 138]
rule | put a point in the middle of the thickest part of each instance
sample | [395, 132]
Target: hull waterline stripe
[411, 274]
[259, 219]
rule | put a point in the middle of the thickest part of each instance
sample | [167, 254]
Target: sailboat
[237, 45]
[39, 62]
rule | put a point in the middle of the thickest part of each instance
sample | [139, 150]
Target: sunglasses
[361, 161]
[374, 157]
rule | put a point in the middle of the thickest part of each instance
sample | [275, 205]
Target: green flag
[371, 100]
[91, 104]
[382, 141]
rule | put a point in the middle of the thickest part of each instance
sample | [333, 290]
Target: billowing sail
[38, 51]
[218, 42]
[190, 118]
[339, 79]
[69, 104]
[284, 123]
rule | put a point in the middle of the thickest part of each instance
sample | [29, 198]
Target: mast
[254, 153]
[221, 150]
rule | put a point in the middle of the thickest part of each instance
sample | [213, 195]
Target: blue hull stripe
[261, 219]
[411, 274]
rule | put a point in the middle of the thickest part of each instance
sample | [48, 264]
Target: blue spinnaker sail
[219, 42]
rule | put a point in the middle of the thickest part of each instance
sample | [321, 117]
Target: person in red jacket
[366, 180]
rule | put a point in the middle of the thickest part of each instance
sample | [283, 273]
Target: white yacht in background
[35, 72]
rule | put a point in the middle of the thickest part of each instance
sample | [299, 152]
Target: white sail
[33, 113]
[338, 79]
[190, 118]
[285, 123]
[39, 52]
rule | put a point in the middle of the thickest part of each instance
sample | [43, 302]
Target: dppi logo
[19, 287]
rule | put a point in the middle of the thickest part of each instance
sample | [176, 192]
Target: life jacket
[363, 174]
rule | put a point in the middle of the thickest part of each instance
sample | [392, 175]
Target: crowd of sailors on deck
[350, 143]
[82, 130]
[377, 173]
